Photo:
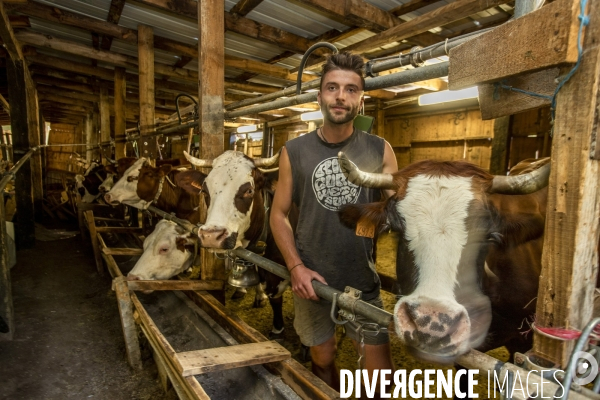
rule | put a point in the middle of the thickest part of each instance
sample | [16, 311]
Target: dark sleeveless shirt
[319, 190]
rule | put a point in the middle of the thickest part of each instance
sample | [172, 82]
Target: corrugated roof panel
[61, 31]
[91, 8]
[358, 37]
[71, 57]
[293, 18]
[165, 25]
[386, 4]
[244, 46]
[131, 49]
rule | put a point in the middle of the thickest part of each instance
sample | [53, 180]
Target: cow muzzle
[435, 331]
[217, 238]
[110, 200]
[131, 277]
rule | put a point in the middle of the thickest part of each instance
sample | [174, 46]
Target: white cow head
[125, 190]
[231, 191]
[86, 197]
[168, 251]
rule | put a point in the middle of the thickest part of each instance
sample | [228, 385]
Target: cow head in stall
[92, 184]
[168, 251]
[446, 224]
[232, 191]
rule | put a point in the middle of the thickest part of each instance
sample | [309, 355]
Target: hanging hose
[305, 57]
[177, 104]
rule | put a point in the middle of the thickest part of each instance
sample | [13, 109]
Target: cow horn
[366, 179]
[268, 171]
[266, 162]
[110, 160]
[198, 162]
[522, 184]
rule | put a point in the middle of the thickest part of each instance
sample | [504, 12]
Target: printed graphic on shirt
[331, 187]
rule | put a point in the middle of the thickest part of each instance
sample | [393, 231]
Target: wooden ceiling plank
[439, 17]
[410, 6]
[243, 7]
[114, 15]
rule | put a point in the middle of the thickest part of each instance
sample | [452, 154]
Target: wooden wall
[530, 135]
[453, 136]
[59, 158]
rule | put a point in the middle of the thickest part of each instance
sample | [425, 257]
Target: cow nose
[434, 328]
[109, 200]
[212, 237]
[131, 277]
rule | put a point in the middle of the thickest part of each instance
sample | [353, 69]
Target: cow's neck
[257, 218]
[175, 199]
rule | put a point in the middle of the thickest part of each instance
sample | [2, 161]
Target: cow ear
[190, 181]
[259, 179]
[165, 169]
[185, 242]
[110, 168]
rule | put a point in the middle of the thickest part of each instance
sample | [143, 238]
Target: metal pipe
[275, 95]
[8, 176]
[185, 224]
[380, 82]
[427, 53]
[381, 317]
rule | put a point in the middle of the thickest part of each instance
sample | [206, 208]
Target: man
[323, 249]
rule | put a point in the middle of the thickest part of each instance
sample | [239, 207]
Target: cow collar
[160, 188]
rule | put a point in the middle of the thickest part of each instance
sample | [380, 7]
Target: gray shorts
[314, 325]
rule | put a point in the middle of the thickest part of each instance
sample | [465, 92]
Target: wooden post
[3, 143]
[33, 122]
[120, 125]
[570, 259]
[7, 317]
[380, 119]
[500, 146]
[88, 129]
[211, 56]
[104, 106]
[91, 223]
[17, 90]
[132, 344]
[146, 75]
[264, 152]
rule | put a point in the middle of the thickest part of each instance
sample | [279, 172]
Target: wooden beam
[500, 146]
[7, 311]
[211, 93]
[8, 36]
[114, 15]
[132, 345]
[4, 104]
[175, 284]
[410, 6]
[18, 92]
[243, 7]
[439, 17]
[146, 75]
[482, 61]
[104, 107]
[119, 103]
[62, 83]
[223, 358]
[570, 255]
[496, 102]
[355, 12]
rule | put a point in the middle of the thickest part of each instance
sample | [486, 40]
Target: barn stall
[99, 81]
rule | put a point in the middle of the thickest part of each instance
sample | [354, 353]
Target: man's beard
[340, 119]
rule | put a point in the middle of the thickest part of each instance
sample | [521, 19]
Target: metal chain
[369, 327]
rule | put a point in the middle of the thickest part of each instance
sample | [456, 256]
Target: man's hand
[302, 282]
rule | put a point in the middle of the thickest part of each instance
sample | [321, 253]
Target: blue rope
[585, 20]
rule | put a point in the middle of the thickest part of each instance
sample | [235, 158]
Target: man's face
[341, 96]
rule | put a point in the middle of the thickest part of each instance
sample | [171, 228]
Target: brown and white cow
[142, 184]
[93, 182]
[448, 215]
[236, 215]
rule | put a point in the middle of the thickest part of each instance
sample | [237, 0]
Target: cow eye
[249, 192]
[163, 250]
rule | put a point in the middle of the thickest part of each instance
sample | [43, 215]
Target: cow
[234, 192]
[91, 184]
[143, 184]
[168, 251]
[452, 216]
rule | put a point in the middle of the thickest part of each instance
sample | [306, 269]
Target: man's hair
[344, 61]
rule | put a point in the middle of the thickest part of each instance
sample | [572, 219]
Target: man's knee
[324, 354]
